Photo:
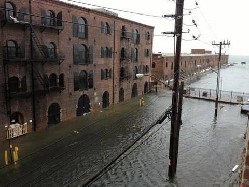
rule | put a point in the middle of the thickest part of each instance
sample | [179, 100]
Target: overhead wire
[120, 10]
[71, 22]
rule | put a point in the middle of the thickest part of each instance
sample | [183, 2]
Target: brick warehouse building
[190, 64]
[59, 61]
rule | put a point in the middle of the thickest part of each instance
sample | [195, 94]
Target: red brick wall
[192, 61]
[64, 40]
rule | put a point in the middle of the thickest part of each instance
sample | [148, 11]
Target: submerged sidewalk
[96, 138]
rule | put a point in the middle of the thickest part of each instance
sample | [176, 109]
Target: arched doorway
[146, 88]
[134, 90]
[17, 117]
[54, 114]
[105, 100]
[83, 105]
[121, 95]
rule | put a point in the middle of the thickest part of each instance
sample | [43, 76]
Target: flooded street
[207, 151]
[104, 146]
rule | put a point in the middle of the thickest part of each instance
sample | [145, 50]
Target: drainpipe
[32, 70]
[113, 63]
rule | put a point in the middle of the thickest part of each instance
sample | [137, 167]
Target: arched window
[82, 28]
[46, 81]
[61, 81]
[147, 53]
[102, 27]
[106, 73]
[122, 73]
[11, 49]
[23, 84]
[53, 80]
[106, 52]
[147, 69]
[54, 114]
[108, 29]
[51, 18]
[76, 81]
[121, 95]
[144, 69]
[136, 37]
[13, 84]
[51, 50]
[122, 54]
[136, 54]
[83, 82]
[153, 65]
[105, 28]
[103, 75]
[110, 73]
[9, 10]
[123, 33]
[22, 14]
[147, 36]
[82, 52]
[105, 100]
[135, 72]
[90, 79]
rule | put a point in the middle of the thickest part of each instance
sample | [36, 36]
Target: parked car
[245, 108]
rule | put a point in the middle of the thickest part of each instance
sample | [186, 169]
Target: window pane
[53, 80]
[51, 50]
[9, 10]
[81, 28]
[11, 49]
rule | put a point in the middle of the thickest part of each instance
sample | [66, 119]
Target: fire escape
[16, 56]
[125, 56]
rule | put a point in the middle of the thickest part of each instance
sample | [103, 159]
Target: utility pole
[175, 126]
[220, 44]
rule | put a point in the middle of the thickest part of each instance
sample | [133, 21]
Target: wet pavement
[207, 150]
[80, 148]
[71, 153]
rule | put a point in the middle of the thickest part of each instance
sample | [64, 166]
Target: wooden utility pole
[175, 126]
[220, 44]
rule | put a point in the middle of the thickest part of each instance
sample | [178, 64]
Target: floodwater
[208, 150]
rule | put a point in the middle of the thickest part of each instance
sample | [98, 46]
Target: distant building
[198, 60]
[66, 61]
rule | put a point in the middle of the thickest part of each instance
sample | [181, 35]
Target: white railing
[15, 130]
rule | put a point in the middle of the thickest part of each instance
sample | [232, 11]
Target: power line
[71, 22]
[120, 10]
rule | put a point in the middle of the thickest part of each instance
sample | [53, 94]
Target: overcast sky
[216, 20]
